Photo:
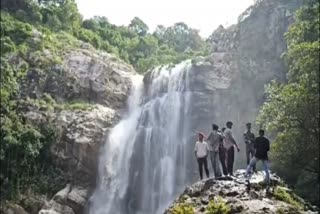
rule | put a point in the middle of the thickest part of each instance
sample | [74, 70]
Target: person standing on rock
[214, 140]
[249, 139]
[222, 154]
[262, 146]
[229, 143]
[201, 151]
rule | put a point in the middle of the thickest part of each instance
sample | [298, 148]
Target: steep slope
[66, 95]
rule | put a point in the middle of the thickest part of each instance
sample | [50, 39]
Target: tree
[181, 37]
[138, 26]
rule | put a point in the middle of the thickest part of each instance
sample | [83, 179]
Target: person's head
[248, 126]
[200, 136]
[261, 132]
[229, 124]
[215, 127]
[224, 128]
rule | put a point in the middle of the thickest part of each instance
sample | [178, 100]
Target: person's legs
[248, 170]
[217, 172]
[248, 153]
[252, 153]
[212, 159]
[205, 163]
[266, 169]
[230, 161]
[222, 156]
[200, 163]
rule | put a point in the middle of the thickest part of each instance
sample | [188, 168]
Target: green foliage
[138, 26]
[280, 211]
[218, 206]
[77, 106]
[291, 111]
[281, 194]
[182, 208]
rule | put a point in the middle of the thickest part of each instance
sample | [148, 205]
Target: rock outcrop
[228, 195]
[99, 83]
[91, 76]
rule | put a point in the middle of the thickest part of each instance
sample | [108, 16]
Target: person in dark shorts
[262, 147]
[201, 151]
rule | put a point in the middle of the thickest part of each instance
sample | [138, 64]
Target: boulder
[96, 77]
[234, 194]
[14, 209]
[81, 135]
[70, 200]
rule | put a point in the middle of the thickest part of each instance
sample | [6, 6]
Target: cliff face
[104, 82]
[88, 90]
[254, 47]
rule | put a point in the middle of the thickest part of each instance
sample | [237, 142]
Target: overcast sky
[204, 15]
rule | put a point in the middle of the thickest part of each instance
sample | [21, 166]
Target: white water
[144, 164]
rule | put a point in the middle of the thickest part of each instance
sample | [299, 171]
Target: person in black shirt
[261, 146]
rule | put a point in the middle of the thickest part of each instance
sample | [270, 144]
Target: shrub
[281, 194]
[182, 208]
[218, 206]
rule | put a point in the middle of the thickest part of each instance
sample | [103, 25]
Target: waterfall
[145, 161]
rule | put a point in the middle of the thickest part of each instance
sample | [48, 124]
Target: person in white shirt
[201, 151]
[229, 143]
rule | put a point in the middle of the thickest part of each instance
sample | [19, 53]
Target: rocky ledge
[228, 195]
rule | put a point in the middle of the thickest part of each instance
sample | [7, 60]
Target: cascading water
[144, 164]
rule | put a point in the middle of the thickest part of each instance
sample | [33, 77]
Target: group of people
[220, 147]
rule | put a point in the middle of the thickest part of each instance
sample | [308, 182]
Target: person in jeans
[222, 154]
[249, 139]
[229, 143]
[214, 139]
[262, 146]
[201, 151]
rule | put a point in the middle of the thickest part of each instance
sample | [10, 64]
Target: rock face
[104, 82]
[82, 134]
[233, 194]
[254, 47]
[92, 76]
[70, 200]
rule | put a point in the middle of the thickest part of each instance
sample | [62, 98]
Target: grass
[182, 208]
[283, 195]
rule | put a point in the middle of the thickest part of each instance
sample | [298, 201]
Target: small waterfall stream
[144, 164]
